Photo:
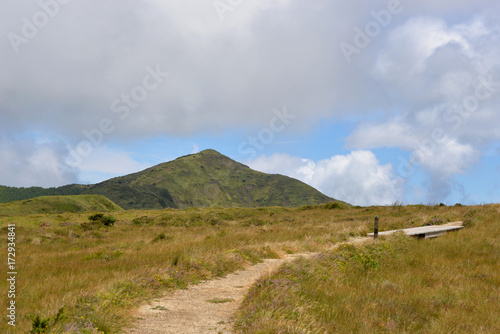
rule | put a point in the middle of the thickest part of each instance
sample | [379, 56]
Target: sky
[371, 102]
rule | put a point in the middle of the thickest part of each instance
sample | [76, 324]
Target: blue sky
[371, 102]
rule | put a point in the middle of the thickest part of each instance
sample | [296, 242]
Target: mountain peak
[204, 179]
[205, 153]
[210, 151]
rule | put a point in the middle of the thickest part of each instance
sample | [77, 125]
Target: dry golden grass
[98, 275]
[450, 284]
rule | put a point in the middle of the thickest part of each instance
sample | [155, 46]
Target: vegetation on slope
[77, 276]
[206, 179]
[58, 204]
[11, 194]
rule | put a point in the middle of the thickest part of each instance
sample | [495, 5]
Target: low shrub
[41, 325]
[102, 219]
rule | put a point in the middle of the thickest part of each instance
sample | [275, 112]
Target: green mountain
[58, 204]
[205, 179]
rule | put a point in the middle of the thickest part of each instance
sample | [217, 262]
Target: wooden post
[375, 230]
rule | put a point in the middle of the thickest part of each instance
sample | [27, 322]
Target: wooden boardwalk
[426, 231]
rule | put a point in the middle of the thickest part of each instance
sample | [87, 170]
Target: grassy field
[74, 276]
[396, 284]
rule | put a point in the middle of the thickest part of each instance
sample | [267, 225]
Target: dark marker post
[375, 230]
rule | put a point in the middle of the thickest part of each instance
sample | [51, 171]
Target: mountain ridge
[204, 179]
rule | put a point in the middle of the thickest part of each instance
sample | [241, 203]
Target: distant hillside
[11, 194]
[205, 179]
[58, 204]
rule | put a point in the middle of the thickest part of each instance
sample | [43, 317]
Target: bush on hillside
[101, 218]
[98, 220]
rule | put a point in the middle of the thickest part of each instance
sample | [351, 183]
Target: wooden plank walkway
[426, 231]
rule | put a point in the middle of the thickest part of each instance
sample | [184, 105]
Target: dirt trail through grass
[203, 308]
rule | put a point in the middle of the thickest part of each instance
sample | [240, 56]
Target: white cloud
[370, 135]
[357, 178]
[222, 73]
[106, 161]
[26, 163]
[446, 83]
[414, 42]
[431, 148]
[447, 158]
[196, 149]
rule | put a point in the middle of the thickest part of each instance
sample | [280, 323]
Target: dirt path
[208, 306]
[203, 308]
